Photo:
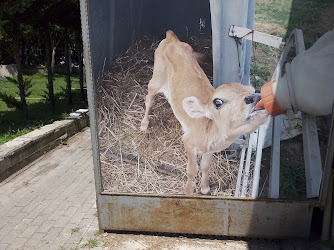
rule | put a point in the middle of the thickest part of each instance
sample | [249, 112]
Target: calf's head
[231, 108]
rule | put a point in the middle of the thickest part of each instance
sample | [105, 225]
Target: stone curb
[19, 152]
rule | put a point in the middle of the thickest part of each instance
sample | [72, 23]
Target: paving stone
[4, 232]
[46, 226]
[4, 245]
[51, 202]
[53, 233]
[76, 218]
[36, 242]
[18, 243]
[30, 230]
[39, 220]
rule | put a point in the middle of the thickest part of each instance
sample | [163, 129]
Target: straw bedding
[133, 161]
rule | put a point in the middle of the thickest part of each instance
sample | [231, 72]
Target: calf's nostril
[252, 99]
[249, 99]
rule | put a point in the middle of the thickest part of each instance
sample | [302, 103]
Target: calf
[212, 119]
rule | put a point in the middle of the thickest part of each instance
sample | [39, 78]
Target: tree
[79, 48]
[47, 21]
[42, 19]
[15, 31]
[68, 13]
[57, 19]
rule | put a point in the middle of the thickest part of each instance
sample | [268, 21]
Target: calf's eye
[218, 103]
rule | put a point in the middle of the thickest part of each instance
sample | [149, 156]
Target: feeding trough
[140, 176]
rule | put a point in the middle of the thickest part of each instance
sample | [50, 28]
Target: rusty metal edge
[186, 214]
[311, 202]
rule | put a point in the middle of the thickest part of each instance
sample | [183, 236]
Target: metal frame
[204, 215]
[312, 158]
[246, 217]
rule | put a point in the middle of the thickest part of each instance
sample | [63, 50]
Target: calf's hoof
[143, 126]
[188, 190]
[205, 191]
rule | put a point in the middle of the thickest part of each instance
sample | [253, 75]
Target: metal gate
[107, 29]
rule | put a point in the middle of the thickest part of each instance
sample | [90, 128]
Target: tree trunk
[53, 60]
[81, 73]
[68, 70]
[17, 55]
[52, 102]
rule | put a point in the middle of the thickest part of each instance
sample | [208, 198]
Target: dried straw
[155, 161]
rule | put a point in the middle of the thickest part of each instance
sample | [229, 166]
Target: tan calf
[212, 119]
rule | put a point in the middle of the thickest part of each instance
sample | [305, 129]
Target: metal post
[250, 25]
[90, 93]
[327, 220]
[228, 59]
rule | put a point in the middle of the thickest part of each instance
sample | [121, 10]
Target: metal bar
[275, 145]
[248, 159]
[330, 192]
[241, 167]
[312, 159]
[299, 41]
[274, 175]
[255, 36]
[257, 166]
[328, 163]
[326, 193]
[206, 215]
[326, 221]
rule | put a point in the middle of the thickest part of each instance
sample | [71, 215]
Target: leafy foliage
[10, 100]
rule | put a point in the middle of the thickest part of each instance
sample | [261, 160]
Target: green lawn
[290, 14]
[11, 122]
[273, 12]
[279, 18]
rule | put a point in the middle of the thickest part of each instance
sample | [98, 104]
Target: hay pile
[155, 161]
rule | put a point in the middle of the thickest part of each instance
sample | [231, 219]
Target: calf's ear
[195, 108]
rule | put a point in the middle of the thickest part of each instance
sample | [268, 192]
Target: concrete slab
[24, 149]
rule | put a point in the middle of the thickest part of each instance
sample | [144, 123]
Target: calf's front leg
[192, 169]
[205, 167]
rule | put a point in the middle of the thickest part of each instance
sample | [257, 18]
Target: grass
[273, 12]
[74, 230]
[280, 17]
[289, 14]
[39, 85]
[11, 123]
[90, 244]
